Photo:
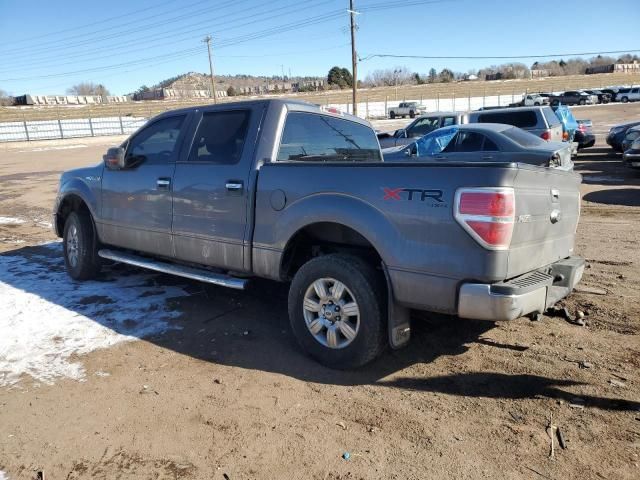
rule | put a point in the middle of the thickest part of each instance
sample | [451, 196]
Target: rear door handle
[487, 157]
[163, 183]
[234, 185]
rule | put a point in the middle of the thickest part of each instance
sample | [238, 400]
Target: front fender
[81, 189]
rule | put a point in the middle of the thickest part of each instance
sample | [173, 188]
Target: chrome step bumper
[530, 293]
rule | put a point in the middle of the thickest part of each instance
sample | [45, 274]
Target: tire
[555, 103]
[582, 101]
[364, 286]
[412, 114]
[624, 99]
[392, 115]
[536, 104]
[80, 248]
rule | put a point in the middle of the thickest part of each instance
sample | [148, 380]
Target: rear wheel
[536, 104]
[412, 114]
[555, 103]
[582, 101]
[80, 252]
[336, 309]
[625, 99]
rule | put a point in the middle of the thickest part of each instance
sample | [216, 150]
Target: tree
[88, 88]
[433, 76]
[446, 75]
[143, 89]
[340, 77]
[418, 79]
[231, 92]
[5, 99]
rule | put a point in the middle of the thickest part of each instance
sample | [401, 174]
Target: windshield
[522, 138]
[435, 142]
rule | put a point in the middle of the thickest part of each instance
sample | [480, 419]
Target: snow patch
[3, 476]
[10, 221]
[46, 319]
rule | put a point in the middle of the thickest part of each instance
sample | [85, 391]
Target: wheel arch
[71, 201]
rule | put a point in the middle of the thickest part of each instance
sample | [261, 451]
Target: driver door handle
[163, 183]
[234, 185]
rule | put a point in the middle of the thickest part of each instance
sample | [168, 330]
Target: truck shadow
[616, 196]
[250, 329]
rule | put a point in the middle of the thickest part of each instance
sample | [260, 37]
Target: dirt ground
[228, 394]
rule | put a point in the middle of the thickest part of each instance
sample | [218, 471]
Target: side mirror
[114, 158]
[400, 133]
[412, 151]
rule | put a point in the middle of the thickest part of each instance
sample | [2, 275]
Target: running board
[201, 275]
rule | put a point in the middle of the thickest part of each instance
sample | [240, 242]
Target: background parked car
[617, 133]
[629, 95]
[631, 156]
[531, 99]
[540, 121]
[483, 142]
[603, 97]
[410, 109]
[419, 127]
[613, 92]
[573, 97]
[631, 136]
[584, 134]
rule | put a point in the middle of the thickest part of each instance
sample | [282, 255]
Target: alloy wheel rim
[72, 246]
[331, 313]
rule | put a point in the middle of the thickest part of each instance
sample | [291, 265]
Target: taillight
[487, 214]
[546, 135]
[582, 127]
[565, 136]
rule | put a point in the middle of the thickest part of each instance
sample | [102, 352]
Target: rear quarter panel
[404, 210]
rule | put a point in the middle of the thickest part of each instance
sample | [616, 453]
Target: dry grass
[412, 92]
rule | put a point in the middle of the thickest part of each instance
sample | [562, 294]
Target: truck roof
[291, 104]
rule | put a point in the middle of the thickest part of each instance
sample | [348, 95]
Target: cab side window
[156, 144]
[220, 137]
[423, 126]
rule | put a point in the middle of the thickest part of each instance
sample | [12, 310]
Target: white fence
[93, 127]
[68, 128]
[458, 104]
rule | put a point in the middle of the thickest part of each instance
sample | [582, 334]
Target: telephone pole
[207, 40]
[354, 60]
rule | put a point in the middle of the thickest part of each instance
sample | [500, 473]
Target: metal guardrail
[68, 128]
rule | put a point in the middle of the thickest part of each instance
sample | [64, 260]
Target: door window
[435, 142]
[489, 145]
[220, 137]
[423, 126]
[310, 137]
[448, 121]
[156, 143]
[468, 142]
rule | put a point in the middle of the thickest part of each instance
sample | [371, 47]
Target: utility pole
[207, 40]
[354, 60]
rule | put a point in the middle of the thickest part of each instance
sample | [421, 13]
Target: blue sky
[47, 46]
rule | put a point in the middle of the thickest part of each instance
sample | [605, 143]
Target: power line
[99, 22]
[503, 57]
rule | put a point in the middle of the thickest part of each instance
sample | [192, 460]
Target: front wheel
[536, 104]
[582, 101]
[336, 309]
[392, 115]
[412, 114]
[80, 252]
[625, 99]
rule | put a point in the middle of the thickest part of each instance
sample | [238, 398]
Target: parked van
[541, 121]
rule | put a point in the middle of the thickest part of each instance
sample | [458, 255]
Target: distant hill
[201, 81]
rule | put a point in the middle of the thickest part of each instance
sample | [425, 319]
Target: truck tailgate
[547, 213]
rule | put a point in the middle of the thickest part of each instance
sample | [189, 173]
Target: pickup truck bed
[307, 199]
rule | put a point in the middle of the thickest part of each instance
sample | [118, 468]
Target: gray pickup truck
[287, 191]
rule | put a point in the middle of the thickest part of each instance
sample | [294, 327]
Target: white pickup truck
[412, 109]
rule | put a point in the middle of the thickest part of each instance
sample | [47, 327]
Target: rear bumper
[530, 293]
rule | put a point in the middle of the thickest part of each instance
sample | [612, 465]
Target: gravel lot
[217, 387]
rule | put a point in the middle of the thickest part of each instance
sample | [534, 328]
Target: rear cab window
[521, 119]
[313, 137]
[220, 137]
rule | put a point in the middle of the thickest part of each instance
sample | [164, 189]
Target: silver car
[540, 121]
[488, 142]
[420, 127]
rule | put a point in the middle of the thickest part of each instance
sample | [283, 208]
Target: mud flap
[398, 318]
